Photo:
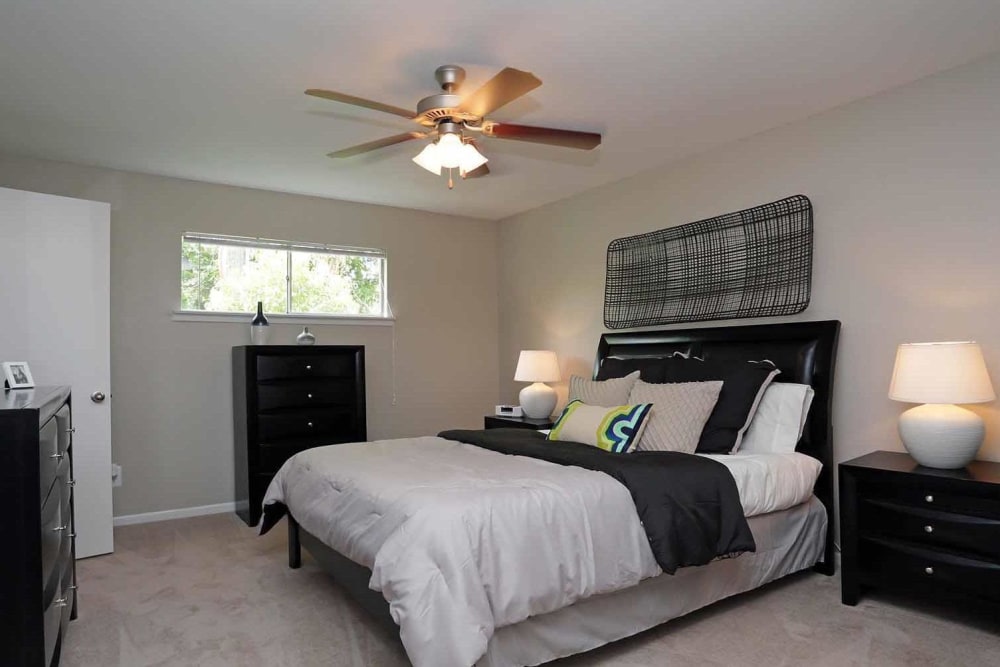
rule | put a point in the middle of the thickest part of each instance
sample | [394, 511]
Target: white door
[55, 287]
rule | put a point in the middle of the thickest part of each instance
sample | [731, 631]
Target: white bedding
[462, 541]
[771, 482]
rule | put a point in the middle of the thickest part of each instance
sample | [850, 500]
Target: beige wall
[906, 191]
[171, 417]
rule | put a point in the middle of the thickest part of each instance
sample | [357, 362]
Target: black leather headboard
[804, 351]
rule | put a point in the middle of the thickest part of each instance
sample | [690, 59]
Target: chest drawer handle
[57, 457]
[71, 482]
[928, 529]
[929, 499]
[61, 602]
[928, 570]
[309, 395]
[308, 367]
[309, 424]
[59, 529]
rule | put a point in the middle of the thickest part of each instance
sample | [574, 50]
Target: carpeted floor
[208, 591]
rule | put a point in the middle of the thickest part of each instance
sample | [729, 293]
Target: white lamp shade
[429, 159]
[471, 159]
[940, 373]
[450, 150]
[537, 366]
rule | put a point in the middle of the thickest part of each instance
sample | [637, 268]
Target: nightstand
[917, 529]
[496, 421]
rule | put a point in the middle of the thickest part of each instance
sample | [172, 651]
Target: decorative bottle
[305, 338]
[259, 326]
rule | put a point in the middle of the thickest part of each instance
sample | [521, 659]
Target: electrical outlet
[116, 475]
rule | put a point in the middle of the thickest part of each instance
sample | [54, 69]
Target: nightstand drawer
[929, 495]
[977, 536]
[908, 566]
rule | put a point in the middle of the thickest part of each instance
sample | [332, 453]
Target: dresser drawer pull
[57, 457]
[59, 529]
[73, 587]
[928, 529]
[928, 570]
[61, 602]
[309, 395]
[929, 499]
[71, 429]
[71, 482]
[309, 424]
[308, 367]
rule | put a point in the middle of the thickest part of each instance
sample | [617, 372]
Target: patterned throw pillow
[615, 430]
[602, 392]
[679, 413]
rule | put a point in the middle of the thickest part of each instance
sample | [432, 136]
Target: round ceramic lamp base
[941, 436]
[538, 400]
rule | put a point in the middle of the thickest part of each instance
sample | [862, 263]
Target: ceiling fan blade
[543, 135]
[477, 172]
[360, 102]
[508, 85]
[378, 143]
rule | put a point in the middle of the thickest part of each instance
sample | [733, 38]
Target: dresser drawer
[908, 566]
[977, 536]
[52, 624]
[51, 540]
[305, 393]
[273, 456]
[49, 457]
[330, 424]
[304, 366]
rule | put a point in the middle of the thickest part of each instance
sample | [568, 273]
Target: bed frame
[804, 351]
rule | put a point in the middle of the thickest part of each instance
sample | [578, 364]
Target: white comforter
[425, 515]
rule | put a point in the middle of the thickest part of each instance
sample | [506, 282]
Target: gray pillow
[680, 411]
[606, 393]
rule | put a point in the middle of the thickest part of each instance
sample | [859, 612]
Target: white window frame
[385, 317]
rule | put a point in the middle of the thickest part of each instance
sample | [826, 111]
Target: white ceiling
[212, 89]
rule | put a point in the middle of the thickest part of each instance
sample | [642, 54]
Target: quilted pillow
[615, 430]
[598, 392]
[679, 413]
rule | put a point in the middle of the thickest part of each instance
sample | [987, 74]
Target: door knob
[98, 397]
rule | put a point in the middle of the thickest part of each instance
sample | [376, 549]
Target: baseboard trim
[167, 515]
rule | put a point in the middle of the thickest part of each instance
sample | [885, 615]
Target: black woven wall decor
[752, 263]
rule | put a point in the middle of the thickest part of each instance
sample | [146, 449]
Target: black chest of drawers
[37, 563]
[288, 398]
[917, 529]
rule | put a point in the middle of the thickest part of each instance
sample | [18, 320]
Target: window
[230, 274]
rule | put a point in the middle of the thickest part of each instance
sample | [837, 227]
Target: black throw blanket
[689, 505]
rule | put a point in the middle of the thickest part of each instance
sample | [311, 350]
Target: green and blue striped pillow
[615, 430]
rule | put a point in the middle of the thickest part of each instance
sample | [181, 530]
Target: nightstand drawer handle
[61, 602]
[929, 499]
[928, 529]
[928, 570]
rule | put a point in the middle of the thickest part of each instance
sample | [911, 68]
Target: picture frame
[17, 375]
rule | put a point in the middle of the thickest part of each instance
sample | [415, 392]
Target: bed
[618, 592]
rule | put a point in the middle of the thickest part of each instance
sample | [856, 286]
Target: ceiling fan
[456, 120]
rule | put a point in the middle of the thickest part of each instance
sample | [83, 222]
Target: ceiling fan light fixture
[450, 150]
[429, 159]
[471, 159]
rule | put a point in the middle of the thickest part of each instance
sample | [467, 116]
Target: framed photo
[18, 375]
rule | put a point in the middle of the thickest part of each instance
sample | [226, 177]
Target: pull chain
[451, 183]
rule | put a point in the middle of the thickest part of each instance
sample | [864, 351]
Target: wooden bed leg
[294, 546]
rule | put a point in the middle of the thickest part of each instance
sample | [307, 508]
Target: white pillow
[777, 425]
[680, 410]
[602, 392]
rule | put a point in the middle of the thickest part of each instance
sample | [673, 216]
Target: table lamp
[939, 434]
[537, 400]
